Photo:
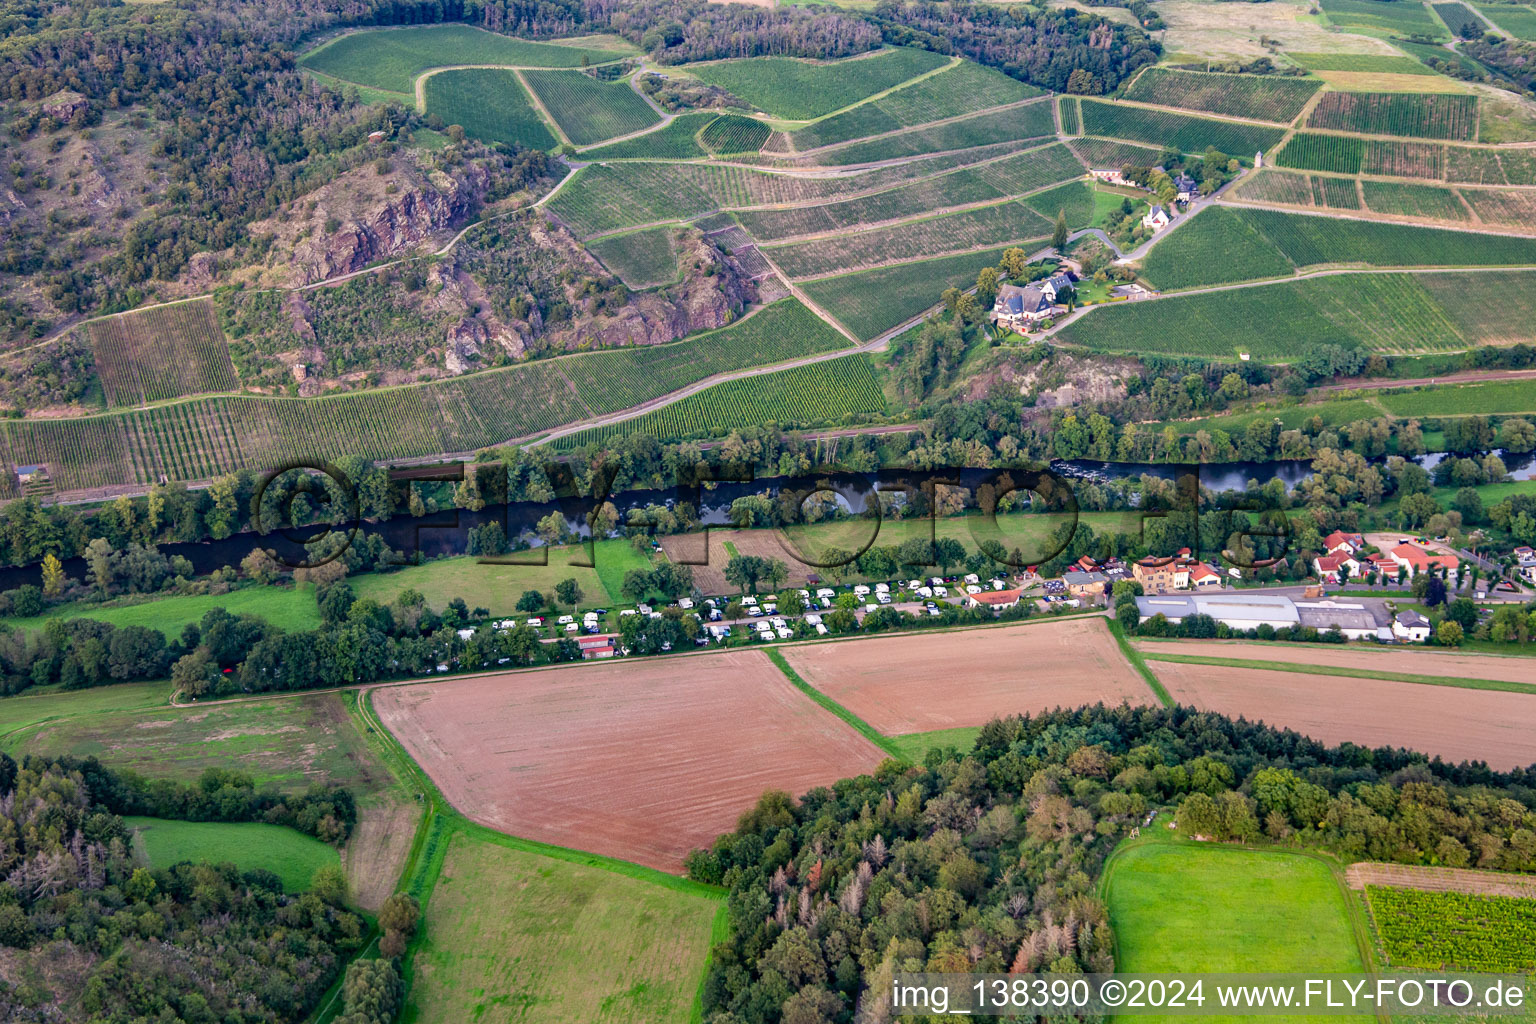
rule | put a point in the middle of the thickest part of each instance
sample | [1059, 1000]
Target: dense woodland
[988, 862]
[195, 943]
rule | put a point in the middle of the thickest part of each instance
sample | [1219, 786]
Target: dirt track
[916, 683]
[1484, 725]
[643, 760]
[1415, 876]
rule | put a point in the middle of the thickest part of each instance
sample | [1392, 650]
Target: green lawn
[1180, 907]
[289, 608]
[291, 855]
[497, 587]
[47, 704]
[915, 744]
[1030, 533]
[514, 935]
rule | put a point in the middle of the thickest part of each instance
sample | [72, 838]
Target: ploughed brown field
[644, 759]
[1456, 724]
[1437, 879]
[922, 682]
[1417, 660]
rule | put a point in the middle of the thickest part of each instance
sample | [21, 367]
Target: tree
[568, 591]
[552, 529]
[398, 918]
[98, 561]
[1449, 634]
[53, 575]
[1127, 614]
[530, 602]
[1060, 234]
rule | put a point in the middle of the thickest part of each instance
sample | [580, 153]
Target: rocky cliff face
[365, 216]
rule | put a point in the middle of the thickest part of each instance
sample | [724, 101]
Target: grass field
[392, 58]
[587, 110]
[1419, 115]
[642, 259]
[824, 392]
[497, 587]
[549, 941]
[915, 744]
[873, 301]
[161, 353]
[288, 608]
[1187, 132]
[1179, 907]
[1369, 63]
[1217, 247]
[800, 90]
[676, 141]
[289, 743]
[45, 704]
[291, 855]
[1259, 97]
[490, 104]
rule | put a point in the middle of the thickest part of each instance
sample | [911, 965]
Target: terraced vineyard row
[732, 134]
[1502, 398]
[161, 353]
[675, 141]
[588, 110]
[1307, 240]
[963, 89]
[1014, 124]
[210, 436]
[1343, 154]
[1419, 115]
[871, 302]
[1402, 19]
[1217, 247]
[1441, 930]
[910, 240]
[1190, 133]
[1258, 97]
[1109, 153]
[799, 90]
[825, 392]
[490, 104]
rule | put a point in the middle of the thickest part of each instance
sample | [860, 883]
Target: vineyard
[1269, 186]
[1071, 115]
[1405, 19]
[207, 437]
[1518, 21]
[1279, 322]
[1473, 399]
[1490, 166]
[161, 353]
[731, 134]
[824, 392]
[1418, 115]
[799, 90]
[1404, 200]
[1216, 247]
[1015, 124]
[963, 89]
[641, 259]
[1259, 97]
[1108, 153]
[1187, 132]
[1075, 200]
[1440, 930]
[1335, 193]
[1308, 240]
[910, 240]
[1366, 63]
[1309, 151]
[675, 141]
[491, 105]
[1515, 209]
[1458, 17]
[391, 59]
[1404, 159]
[873, 301]
[588, 110]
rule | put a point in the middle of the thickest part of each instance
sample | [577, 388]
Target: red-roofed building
[1335, 568]
[996, 600]
[1340, 542]
[1415, 559]
[1203, 577]
[604, 645]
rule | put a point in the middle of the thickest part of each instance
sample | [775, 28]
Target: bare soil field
[1485, 725]
[1417, 876]
[639, 760]
[723, 542]
[1197, 29]
[1417, 660]
[378, 847]
[918, 683]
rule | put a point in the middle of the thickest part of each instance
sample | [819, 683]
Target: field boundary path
[1437, 879]
[543, 111]
[421, 79]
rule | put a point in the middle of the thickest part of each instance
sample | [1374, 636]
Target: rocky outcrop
[365, 216]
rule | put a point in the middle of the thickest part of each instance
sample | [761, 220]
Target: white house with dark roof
[1022, 305]
[1186, 187]
[1156, 218]
[1054, 285]
[1411, 626]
